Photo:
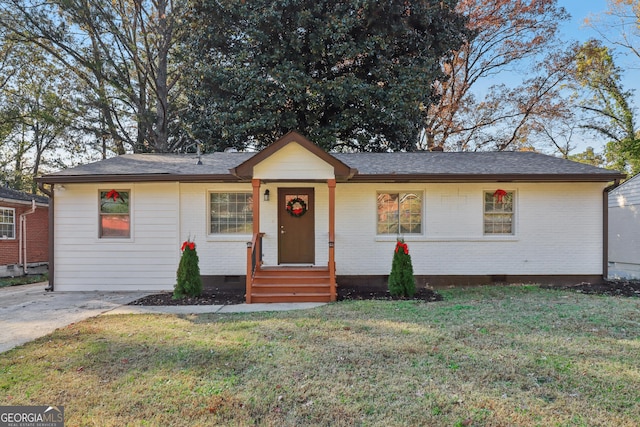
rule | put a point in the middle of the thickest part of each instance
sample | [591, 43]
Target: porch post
[255, 243]
[256, 205]
[331, 183]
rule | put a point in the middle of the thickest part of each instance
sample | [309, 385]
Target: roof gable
[246, 170]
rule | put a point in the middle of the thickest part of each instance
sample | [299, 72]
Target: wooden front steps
[291, 284]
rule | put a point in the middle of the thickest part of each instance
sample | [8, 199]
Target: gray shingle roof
[160, 164]
[370, 166]
[465, 163]
[11, 194]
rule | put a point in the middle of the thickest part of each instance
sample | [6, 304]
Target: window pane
[399, 213]
[114, 225]
[113, 201]
[7, 224]
[498, 213]
[231, 213]
[388, 213]
[114, 214]
[410, 213]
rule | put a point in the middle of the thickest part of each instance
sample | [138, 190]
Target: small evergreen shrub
[401, 280]
[189, 282]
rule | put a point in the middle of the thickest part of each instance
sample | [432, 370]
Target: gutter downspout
[49, 193]
[22, 240]
[605, 228]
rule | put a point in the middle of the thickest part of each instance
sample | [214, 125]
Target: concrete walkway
[28, 312]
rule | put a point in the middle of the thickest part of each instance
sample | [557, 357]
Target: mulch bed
[228, 297]
[208, 297]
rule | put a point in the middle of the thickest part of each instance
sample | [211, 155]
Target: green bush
[401, 280]
[189, 282]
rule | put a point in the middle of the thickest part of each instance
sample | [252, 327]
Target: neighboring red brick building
[19, 212]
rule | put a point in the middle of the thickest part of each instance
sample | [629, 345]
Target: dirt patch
[610, 288]
[228, 297]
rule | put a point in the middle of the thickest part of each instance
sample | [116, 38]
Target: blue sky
[579, 10]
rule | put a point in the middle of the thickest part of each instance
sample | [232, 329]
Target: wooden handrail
[254, 261]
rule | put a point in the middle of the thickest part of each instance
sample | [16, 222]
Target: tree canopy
[121, 53]
[508, 36]
[82, 80]
[608, 104]
[353, 75]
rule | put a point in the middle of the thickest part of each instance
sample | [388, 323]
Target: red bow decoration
[113, 194]
[403, 246]
[499, 195]
[188, 244]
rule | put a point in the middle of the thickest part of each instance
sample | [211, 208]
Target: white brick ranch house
[292, 222]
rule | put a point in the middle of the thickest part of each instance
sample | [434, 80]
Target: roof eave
[87, 179]
[488, 178]
[77, 179]
[23, 202]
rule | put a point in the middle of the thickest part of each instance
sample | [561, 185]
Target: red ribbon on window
[113, 194]
[499, 195]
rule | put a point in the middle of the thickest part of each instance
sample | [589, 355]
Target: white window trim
[514, 218]
[405, 236]
[14, 224]
[115, 240]
[224, 237]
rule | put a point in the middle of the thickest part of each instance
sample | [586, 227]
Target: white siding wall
[293, 162]
[226, 254]
[558, 230]
[146, 261]
[218, 254]
[624, 230]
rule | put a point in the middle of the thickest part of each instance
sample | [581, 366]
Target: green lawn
[22, 280]
[491, 356]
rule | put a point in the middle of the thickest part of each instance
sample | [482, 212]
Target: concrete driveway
[28, 312]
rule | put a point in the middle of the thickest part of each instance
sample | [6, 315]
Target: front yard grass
[490, 356]
[22, 280]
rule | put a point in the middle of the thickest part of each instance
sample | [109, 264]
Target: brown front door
[296, 226]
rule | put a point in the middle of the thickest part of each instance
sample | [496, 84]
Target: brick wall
[37, 235]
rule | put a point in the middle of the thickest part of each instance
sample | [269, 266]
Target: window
[400, 213]
[231, 213]
[7, 223]
[498, 212]
[114, 214]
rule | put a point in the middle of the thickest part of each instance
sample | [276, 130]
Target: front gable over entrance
[295, 158]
